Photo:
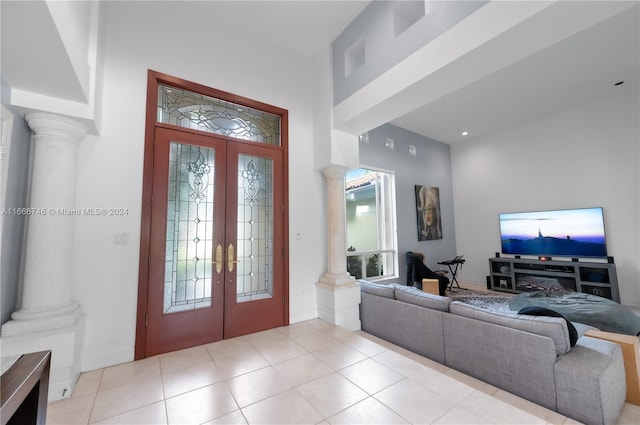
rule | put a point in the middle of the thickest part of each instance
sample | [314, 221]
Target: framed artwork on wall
[428, 213]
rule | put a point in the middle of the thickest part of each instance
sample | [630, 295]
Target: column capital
[56, 126]
[335, 171]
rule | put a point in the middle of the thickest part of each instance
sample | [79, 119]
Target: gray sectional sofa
[530, 356]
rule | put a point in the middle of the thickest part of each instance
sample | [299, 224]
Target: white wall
[430, 167]
[208, 50]
[585, 157]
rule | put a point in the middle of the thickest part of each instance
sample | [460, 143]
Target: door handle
[218, 260]
[230, 258]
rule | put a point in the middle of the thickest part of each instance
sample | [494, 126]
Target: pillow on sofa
[541, 311]
[386, 291]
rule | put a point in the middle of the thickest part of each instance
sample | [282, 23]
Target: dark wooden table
[24, 390]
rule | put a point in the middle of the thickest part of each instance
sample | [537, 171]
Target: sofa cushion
[551, 327]
[411, 295]
[386, 291]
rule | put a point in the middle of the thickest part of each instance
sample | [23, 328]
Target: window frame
[386, 219]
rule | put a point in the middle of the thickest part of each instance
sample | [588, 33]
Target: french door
[213, 246]
[216, 262]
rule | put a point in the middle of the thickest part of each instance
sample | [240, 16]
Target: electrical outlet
[121, 238]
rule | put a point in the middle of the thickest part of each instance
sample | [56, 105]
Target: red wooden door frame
[153, 80]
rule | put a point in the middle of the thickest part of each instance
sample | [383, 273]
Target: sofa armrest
[630, 346]
[517, 361]
[590, 382]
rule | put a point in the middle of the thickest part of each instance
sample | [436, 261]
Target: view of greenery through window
[371, 224]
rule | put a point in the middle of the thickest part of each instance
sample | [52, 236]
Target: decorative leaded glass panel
[190, 219]
[192, 110]
[255, 228]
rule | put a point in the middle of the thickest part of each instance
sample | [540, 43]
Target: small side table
[431, 286]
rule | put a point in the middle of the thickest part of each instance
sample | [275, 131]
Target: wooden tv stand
[526, 274]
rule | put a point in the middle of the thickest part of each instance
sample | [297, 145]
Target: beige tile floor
[306, 373]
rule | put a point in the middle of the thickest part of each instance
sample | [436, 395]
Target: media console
[522, 274]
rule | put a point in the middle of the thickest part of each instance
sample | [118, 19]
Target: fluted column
[46, 297]
[338, 292]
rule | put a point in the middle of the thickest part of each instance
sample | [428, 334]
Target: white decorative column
[338, 292]
[48, 318]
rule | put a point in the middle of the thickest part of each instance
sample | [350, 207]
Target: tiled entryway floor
[306, 373]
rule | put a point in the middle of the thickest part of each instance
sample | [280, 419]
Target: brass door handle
[218, 260]
[230, 258]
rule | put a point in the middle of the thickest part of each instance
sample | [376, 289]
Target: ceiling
[571, 72]
[579, 69]
[302, 26]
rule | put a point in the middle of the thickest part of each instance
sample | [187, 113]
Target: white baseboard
[61, 389]
[99, 361]
[303, 315]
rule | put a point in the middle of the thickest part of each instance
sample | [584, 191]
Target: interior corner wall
[16, 197]
[588, 156]
[430, 167]
[145, 35]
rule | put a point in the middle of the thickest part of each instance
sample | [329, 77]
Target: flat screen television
[567, 233]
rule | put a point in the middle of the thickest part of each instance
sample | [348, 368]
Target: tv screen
[568, 233]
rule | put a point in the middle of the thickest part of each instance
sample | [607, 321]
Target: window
[193, 110]
[371, 224]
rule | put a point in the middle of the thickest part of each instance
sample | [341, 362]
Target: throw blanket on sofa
[592, 310]
[485, 302]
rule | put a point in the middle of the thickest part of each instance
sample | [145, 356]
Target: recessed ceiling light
[465, 133]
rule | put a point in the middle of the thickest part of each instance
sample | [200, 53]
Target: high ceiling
[574, 71]
[579, 69]
[302, 26]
